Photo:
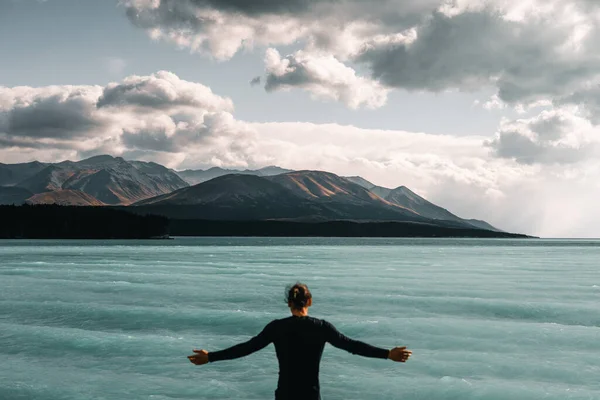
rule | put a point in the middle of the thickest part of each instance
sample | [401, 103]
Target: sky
[489, 108]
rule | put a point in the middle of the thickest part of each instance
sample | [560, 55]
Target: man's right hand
[199, 358]
[399, 354]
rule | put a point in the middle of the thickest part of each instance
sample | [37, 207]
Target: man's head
[298, 297]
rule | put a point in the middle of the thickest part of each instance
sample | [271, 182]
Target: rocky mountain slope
[65, 198]
[404, 197]
[109, 180]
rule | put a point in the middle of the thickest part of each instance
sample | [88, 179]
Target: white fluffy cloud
[162, 91]
[159, 112]
[324, 77]
[213, 28]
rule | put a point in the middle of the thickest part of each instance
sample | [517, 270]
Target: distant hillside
[324, 186]
[230, 190]
[65, 198]
[110, 180]
[328, 188]
[164, 177]
[194, 177]
[231, 197]
[404, 197]
[483, 225]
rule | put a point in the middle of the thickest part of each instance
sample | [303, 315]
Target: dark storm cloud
[551, 128]
[447, 52]
[166, 136]
[182, 12]
[53, 117]
[8, 141]
[476, 49]
[525, 150]
[296, 75]
[132, 94]
[150, 140]
[588, 99]
[588, 5]
[171, 12]
[260, 6]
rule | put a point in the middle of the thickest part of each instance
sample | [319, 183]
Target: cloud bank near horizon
[184, 124]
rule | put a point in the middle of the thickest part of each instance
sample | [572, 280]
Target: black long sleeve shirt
[299, 343]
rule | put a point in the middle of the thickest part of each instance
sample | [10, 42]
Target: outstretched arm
[257, 343]
[339, 340]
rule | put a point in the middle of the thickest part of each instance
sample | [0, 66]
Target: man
[299, 341]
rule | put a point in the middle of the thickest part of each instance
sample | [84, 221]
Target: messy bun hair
[297, 296]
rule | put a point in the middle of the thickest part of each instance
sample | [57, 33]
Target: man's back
[299, 343]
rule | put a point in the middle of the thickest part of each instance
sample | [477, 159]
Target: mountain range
[270, 193]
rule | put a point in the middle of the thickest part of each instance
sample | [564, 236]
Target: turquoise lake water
[486, 319]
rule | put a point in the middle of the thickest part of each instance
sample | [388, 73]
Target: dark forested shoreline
[325, 229]
[69, 222]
